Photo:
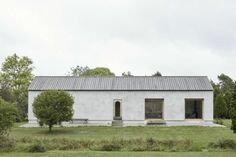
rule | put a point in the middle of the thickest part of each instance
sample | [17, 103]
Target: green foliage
[15, 77]
[116, 144]
[219, 121]
[110, 147]
[6, 142]
[220, 110]
[128, 73]
[78, 70]
[52, 107]
[222, 96]
[233, 110]
[7, 116]
[37, 147]
[223, 144]
[99, 71]
[86, 71]
[227, 87]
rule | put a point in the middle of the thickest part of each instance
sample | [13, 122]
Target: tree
[16, 75]
[86, 71]
[128, 73]
[157, 73]
[99, 71]
[233, 110]
[222, 96]
[5, 93]
[78, 70]
[226, 85]
[7, 116]
[220, 109]
[52, 107]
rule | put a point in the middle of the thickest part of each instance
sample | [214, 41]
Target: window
[153, 108]
[193, 108]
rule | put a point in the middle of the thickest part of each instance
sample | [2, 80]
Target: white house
[138, 100]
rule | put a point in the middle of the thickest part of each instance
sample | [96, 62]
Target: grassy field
[200, 136]
[120, 154]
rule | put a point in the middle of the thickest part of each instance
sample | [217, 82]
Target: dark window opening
[193, 108]
[117, 109]
[154, 108]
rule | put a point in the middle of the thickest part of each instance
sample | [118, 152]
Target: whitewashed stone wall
[97, 106]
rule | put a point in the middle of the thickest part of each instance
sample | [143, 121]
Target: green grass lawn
[201, 137]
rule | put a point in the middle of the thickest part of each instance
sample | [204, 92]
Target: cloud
[175, 37]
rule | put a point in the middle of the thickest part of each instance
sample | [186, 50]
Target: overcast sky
[176, 37]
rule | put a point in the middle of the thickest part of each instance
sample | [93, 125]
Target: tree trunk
[50, 128]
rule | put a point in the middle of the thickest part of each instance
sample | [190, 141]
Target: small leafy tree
[52, 107]
[7, 116]
[233, 110]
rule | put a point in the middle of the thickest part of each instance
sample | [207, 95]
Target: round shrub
[52, 107]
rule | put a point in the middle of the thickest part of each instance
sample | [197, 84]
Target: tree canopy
[157, 73]
[128, 73]
[86, 71]
[15, 77]
[233, 109]
[78, 70]
[222, 96]
[52, 107]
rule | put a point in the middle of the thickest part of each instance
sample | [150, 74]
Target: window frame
[162, 107]
[202, 100]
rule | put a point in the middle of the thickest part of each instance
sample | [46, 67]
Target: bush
[187, 145]
[219, 121]
[139, 144]
[7, 142]
[7, 116]
[138, 148]
[169, 144]
[52, 107]
[223, 144]
[150, 141]
[233, 124]
[37, 147]
[152, 145]
[111, 147]
[67, 144]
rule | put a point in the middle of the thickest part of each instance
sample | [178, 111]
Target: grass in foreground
[120, 154]
[201, 136]
[126, 139]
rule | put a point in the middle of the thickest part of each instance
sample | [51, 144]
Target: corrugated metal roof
[136, 83]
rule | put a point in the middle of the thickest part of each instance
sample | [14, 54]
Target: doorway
[117, 110]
